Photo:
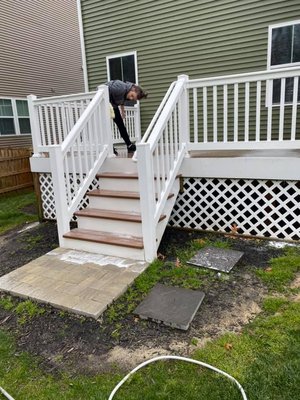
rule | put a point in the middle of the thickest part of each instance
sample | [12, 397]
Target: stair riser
[110, 225]
[119, 164]
[105, 249]
[113, 203]
[119, 184]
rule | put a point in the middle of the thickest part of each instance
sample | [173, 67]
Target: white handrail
[256, 110]
[165, 114]
[75, 162]
[159, 159]
[69, 141]
[245, 77]
[64, 98]
[52, 118]
[158, 112]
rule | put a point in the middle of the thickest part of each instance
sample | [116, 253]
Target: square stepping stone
[214, 258]
[175, 307]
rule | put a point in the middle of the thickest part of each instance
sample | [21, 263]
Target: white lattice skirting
[260, 208]
[48, 203]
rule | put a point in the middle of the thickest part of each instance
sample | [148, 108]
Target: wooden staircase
[112, 223]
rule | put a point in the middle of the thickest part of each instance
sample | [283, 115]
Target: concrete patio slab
[175, 307]
[76, 281]
[214, 258]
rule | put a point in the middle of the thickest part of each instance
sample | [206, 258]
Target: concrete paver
[214, 258]
[170, 305]
[80, 282]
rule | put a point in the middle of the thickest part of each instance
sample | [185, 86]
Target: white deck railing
[132, 123]
[52, 119]
[75, 162]
[247, 111]
[159, 158]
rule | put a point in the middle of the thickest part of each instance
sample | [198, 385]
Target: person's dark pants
[122, 128]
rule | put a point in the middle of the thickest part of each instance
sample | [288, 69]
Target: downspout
[82, 45]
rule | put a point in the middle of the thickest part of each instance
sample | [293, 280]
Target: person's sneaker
[131, 148]
[115, 152]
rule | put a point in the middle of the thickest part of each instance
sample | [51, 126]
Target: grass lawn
[264, 358]
[11, 214]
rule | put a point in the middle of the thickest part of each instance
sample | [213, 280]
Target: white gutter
[83, 56]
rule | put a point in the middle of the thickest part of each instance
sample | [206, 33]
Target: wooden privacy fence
[15, 171]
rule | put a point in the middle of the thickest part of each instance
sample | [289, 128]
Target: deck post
[147, 198]
[59, 189]
[184, 113]
[34, 124]
[106, 122]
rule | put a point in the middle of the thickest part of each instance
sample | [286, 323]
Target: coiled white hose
[8, 396]
[117, 387]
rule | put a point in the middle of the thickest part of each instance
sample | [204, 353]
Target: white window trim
[130, 53]
[271, 27]
[15, 116]
[270, 67]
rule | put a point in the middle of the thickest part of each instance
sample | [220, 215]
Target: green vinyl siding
[194, 37]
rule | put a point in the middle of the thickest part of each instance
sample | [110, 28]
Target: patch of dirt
[31, 209]
[296, 282]
[296, 285]
[18, 249]
[67, 342]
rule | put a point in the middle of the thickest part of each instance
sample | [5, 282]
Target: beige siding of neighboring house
[196, 37]
[40, 52]
[40, 48]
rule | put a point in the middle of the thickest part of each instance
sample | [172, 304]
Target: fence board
[15, 171]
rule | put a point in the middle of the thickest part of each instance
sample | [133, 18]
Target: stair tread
[105, 237]
[109, 214]
[122, 194]
[114, 193]
[121, 174]
[131, 216]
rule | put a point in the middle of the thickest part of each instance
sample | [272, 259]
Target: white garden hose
[8, 396]
[158, 359]
[181, 359]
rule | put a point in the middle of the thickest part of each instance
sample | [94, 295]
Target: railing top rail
[246, 77]
[60, 99]
[82, 120]
[158, 112]
[165, 113]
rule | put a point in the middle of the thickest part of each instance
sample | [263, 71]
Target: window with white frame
[284, 52]
[123, 67]
[14, 117]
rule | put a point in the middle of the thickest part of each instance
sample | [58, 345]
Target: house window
[14, 117]
[122, 67]
[284, 52]
[23, 116]
[7, 126]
